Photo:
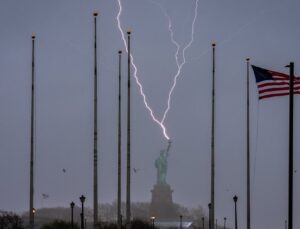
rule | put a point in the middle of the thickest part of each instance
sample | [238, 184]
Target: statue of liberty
[161, 165]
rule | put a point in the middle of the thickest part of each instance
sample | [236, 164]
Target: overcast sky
[267, 31]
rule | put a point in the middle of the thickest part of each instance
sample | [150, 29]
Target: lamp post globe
[82, 199]
[235, 198]
[225, 222]
[152, 221]
[72, 205]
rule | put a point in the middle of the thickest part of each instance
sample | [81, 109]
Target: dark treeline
[53, 217]
[10, 220]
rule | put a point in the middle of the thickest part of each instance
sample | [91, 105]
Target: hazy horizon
[266, 31]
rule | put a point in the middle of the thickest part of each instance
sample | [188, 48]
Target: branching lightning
[179, 64]
[136, 76]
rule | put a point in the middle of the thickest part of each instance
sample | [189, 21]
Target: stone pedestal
[162, 206]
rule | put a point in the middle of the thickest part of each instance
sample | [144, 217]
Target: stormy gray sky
[267, 31]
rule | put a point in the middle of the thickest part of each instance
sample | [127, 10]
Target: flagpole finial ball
[213, 44]
[120, 52]
[128, 32]
[95, 13]
[248, 59]
[33, 36]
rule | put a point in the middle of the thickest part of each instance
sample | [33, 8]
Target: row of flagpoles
[277, 84]
[274, 80]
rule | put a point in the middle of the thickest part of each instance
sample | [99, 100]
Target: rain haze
[267, 31]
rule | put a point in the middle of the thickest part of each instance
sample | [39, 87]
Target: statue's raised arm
[169, 145]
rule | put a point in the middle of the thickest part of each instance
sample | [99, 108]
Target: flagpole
[31, 188]
[291, 146]
[95, 14]
[119, 145]
[248, 150]
[212, 201]
[128, 184]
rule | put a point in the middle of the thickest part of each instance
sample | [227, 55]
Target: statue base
[162, 206]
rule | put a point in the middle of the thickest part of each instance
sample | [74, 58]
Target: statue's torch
[169, 145]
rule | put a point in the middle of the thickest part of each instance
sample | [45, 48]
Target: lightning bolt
[179, 64]
[162, 126]
[178, 47]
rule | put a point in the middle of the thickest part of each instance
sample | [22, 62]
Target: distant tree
[59, 224]
[140, 224]
[196, 215]
[9, 220]
[140, 210]
[108, 211]
[109, 226]
[108, 214]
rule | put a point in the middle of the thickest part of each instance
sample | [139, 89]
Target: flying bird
[135, 170]
[45, 196]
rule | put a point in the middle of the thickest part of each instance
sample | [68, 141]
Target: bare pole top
[33, 36]
[213, 44]
[129, 32]
[120, 52]
[247, 59]
[95, 13]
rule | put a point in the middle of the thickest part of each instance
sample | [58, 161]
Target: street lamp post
[82, 199]
[202, 222]
[180, 218]
[72, 204]
[152, 221]
[225, 222]
[121, 219]
[235, 198]
[33, 213]
[209, 215]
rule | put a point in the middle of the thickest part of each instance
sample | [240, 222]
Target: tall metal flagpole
[31, 191]
[128, 185]
[119, 145]
[95, 126]
[291, 145]
[248, 149]
[212, 194]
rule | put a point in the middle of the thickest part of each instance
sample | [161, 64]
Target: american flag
[271, 84]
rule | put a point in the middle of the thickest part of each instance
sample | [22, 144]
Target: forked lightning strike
[179, 66]
[136, 77]
[178, 63]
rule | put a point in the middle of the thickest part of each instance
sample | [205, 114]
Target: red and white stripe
[279, 86]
